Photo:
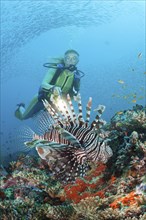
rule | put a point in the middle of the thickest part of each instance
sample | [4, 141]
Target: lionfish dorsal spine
[64, 111]
[80, 115]
[50, 110]
[63, 118]
[73, 114]
[97, 123]
[88, 110]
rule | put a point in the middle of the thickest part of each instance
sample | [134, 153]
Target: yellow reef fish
[134, 100]
[119, 113]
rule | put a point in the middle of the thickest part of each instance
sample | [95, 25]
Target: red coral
[96, 172]
[100, 193]
[72, 193]
[113, 179]
[128, 200]
[76, 193]
[86, 187]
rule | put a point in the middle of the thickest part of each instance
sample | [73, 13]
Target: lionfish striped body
[71, 142]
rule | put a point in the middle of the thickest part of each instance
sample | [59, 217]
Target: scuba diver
[64, 78]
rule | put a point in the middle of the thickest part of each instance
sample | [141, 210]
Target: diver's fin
[21, 104]
[19, 112]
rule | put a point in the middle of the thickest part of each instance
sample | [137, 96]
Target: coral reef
[115, 191]
[128, 141]
[132, 119]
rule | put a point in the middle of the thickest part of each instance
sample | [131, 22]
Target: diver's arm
[78, 86]
[45, 85]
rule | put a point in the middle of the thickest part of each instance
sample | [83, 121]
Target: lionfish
[71, 143]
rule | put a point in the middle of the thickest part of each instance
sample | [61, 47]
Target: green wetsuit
[64, 79]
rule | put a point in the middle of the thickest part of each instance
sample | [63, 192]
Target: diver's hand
[57, 91]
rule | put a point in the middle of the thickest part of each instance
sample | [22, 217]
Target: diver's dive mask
[71, 59]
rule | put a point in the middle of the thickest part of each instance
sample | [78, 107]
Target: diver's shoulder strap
[56, 75]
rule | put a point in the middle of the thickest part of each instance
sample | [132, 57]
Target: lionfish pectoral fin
[36, 142]
[46, 103]
[31, 143]
[55, 145]
[42, 142]
[70, 137]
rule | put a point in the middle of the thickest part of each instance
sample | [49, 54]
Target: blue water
[109, 36]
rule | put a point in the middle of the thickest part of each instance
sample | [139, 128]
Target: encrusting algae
[115, 190]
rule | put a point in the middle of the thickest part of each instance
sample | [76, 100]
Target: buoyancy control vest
[68, 78]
